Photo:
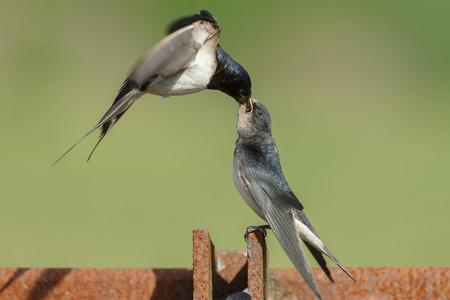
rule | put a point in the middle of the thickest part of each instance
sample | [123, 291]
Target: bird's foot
[261, 228]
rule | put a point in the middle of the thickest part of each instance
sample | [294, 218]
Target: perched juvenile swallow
[186, 61]
[259, 179]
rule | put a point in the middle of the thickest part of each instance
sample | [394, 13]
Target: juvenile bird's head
[254, 122]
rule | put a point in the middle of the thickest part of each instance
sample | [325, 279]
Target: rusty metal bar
[202, 264]
[373, 283]
[67, 284]
[257, 265]
[227, 272]
[217, 274]
[159, 284]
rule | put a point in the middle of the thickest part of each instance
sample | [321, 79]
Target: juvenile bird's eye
[259, 112]
[248, 109]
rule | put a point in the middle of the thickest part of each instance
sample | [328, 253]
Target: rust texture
[230, 263]
[165, 284]
[373, 283]
[202, 263]
[257, 264]
[229, 274]
[68, 284]
[217, 274]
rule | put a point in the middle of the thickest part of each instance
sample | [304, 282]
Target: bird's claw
[261, 228]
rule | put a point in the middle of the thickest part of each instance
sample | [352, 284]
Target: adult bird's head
[254, 121]
[238, 84]
[231, 78]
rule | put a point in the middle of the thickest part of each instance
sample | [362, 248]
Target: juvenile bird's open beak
[249, 104]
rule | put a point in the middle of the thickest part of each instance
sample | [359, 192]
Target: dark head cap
[239, 85]
[231, 78]
[254, 122]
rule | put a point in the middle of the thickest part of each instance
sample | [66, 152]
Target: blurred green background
[359, 98]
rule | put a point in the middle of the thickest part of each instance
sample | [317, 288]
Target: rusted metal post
[257, 265]
[216, 275]
[202, 263]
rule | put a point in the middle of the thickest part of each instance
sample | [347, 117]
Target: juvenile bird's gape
[186, 61]
[249, 105]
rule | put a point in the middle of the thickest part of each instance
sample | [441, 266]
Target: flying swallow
[259, 179]
[186, 61]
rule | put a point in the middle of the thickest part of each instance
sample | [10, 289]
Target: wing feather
[277, 205]
[167, 57]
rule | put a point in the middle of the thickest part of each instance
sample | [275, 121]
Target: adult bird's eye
[243, 93]
[259, 112]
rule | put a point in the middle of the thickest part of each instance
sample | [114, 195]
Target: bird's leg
[261, 228]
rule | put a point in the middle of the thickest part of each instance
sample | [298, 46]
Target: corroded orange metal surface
[229, 273]
[257, 263]
[373, 283]
[158, 284]
[217, 274]
[67, 284]
[202, 263]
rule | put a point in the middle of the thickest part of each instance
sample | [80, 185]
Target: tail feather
[126, 97]
[320, 259]
[311, 238]
[106, 127]
[328, 253]
[287, 235]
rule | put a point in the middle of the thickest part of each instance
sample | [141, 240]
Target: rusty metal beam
[202, 264]
[257, 264]
[217, 274]
[37, 283]
[373, 283]
[156, 284]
